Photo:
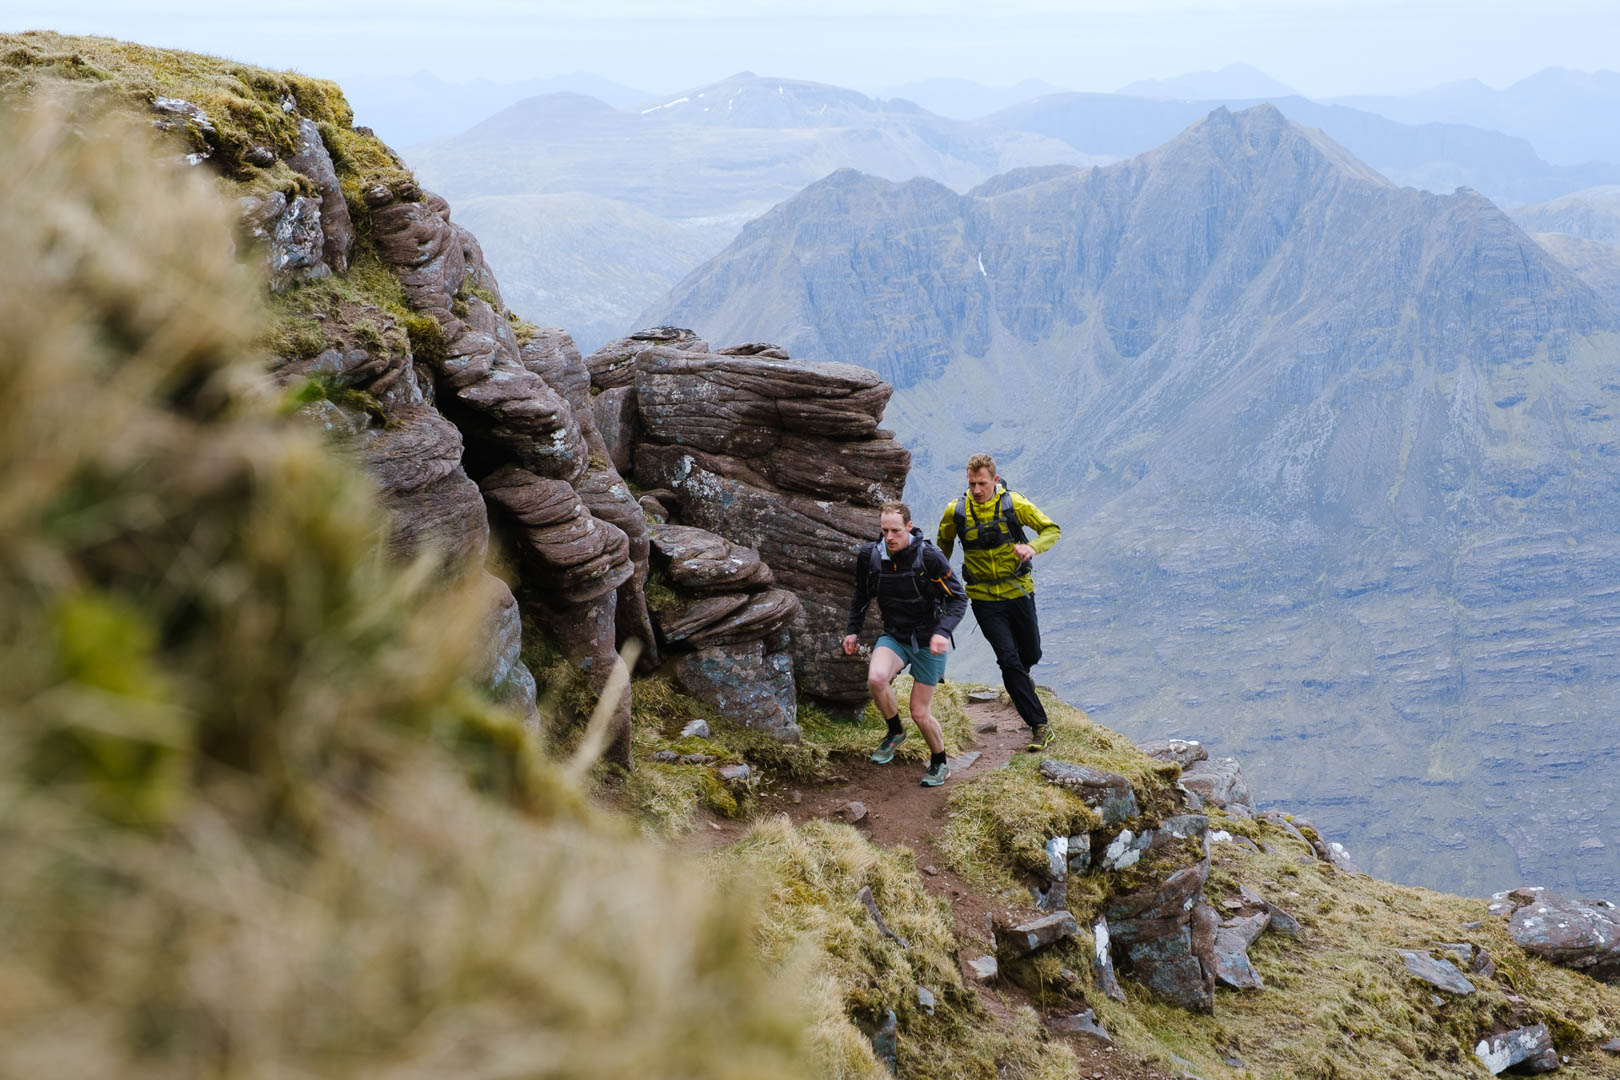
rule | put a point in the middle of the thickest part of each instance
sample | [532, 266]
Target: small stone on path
[1082, 1023]
[983, 697]
[986, 728]
[697, 729]
[851, 812]
[984, 968]
[964, 761]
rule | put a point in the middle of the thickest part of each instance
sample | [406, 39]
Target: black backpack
[937, 597]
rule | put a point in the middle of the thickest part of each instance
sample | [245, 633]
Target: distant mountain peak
[748, 100]
[1239, 81]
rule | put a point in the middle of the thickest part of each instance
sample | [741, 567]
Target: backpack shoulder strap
[1010, 516]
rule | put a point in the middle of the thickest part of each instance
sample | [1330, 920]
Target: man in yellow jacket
[994, 525]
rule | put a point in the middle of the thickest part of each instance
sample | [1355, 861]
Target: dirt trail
[900, 812]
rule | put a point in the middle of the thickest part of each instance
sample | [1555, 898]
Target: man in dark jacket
[921, 600]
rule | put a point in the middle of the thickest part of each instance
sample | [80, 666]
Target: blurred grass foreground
[254, 818]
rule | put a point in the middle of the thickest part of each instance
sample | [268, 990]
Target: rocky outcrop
[1107, 793]
[1583, 935]
[1167, 934]
[781, 457]
[1219, 783]
[1527, 1050]
[337, 231]
[727, 623]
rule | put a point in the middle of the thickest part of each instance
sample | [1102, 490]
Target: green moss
[427, 339]
[330, 388]
[296, 338]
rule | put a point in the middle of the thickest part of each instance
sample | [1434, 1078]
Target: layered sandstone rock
[728, 623]
[782, 457]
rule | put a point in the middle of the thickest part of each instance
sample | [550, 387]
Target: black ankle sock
[936, 759]
[894, 724]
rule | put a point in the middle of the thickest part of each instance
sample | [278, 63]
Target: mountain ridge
[1282, 406]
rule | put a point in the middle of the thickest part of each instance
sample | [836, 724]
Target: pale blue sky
[1321, 47]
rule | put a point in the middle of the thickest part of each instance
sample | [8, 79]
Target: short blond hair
[982, 461]
[893, 507]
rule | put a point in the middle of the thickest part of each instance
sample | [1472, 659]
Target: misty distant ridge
[1235, 81]
[703, 161]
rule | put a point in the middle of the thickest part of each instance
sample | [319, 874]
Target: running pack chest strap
[998, 531]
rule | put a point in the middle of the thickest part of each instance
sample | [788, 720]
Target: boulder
[571, 557]
[984, 968]
[614, 364]
[1167, 934]
[1107, 793]
[754, 348]
[293, 241]
[886, 1042]
[1337, 856]
[694, 558]
[416, 462]
[616, 419]
[809, 545]
[585, 630]
[1085, 1024]
[743, 405]
[311, 158]
[1440, 974]
[1079, 853]
[1181, 751]
[1579, 934]
[1103, 961]
[680, 622]
[1019, 941]
[1125, 850]
[1526, 1049]
[506, 678]
[749, 685]
[1219, 783]
[1232, 940]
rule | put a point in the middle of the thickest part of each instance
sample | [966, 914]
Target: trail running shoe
[936, 775]
[1039, 738]
[885, 750]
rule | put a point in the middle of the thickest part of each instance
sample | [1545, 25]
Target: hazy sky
[1321, 47]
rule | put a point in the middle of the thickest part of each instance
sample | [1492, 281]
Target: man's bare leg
[921, 698]
[880, 673]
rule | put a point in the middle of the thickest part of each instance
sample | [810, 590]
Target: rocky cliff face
[1333, 458]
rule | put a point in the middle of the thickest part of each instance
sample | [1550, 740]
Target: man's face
[896, 532]
[981, 485]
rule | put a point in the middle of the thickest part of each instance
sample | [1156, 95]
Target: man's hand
[1024, 552]
[938, 644]
[849, 645]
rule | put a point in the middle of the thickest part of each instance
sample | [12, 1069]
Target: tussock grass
[853, 975]
[999, 825]
[257, 819]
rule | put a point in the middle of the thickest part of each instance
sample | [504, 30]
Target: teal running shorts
[926, 667]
